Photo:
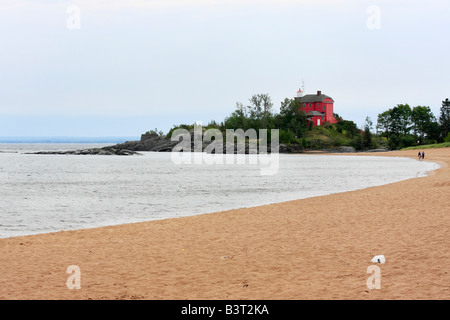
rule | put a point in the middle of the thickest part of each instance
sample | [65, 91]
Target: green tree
[257, 115]
[238, 119]
[444, 119]
[424, 123]
[401, 119]
[367, 135]
[347, 127]
[260, 111]
[396, 125]
[338, 117]
[291, 118]
[383, 123]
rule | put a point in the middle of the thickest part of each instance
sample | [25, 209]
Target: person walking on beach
[419, 155]
[423, 155]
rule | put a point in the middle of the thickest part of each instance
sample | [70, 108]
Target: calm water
[47, 193]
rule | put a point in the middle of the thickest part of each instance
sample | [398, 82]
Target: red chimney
[319, 93]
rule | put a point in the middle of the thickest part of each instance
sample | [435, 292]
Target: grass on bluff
[430, 146]
[323, 137]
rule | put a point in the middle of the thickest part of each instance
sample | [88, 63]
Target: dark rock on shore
[92, 151]
[161, 143]
[291, 148]
[149, 143]
[343, 149]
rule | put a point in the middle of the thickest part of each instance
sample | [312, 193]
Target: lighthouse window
[323, 107]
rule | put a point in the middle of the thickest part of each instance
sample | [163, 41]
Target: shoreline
[313, 248]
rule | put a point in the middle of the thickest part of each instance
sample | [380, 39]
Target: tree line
[396, 128]
[404, 126]
[258, 114]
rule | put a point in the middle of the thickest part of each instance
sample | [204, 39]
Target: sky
[120, 68]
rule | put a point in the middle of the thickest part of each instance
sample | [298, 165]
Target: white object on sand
[379, 259]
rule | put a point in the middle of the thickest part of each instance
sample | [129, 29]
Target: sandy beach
[316, 248]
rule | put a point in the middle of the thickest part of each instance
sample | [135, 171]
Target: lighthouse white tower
[301, 91]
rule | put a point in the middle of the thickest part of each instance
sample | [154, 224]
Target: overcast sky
[120, 68]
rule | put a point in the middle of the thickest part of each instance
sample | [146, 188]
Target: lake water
[48, 193]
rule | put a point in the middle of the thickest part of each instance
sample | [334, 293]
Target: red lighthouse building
[318, 107]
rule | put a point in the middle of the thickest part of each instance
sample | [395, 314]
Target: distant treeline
[398, 127]
[403, 126]
[290, 121]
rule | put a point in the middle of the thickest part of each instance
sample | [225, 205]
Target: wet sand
[316, 248]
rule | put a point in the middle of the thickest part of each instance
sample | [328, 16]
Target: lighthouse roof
[314, 98]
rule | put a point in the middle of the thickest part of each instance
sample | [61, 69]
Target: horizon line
[66, 139]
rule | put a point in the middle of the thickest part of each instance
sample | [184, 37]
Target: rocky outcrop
[160, 143]
[93, 151]
[149, 143]
[342, 149]
[291, 148]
